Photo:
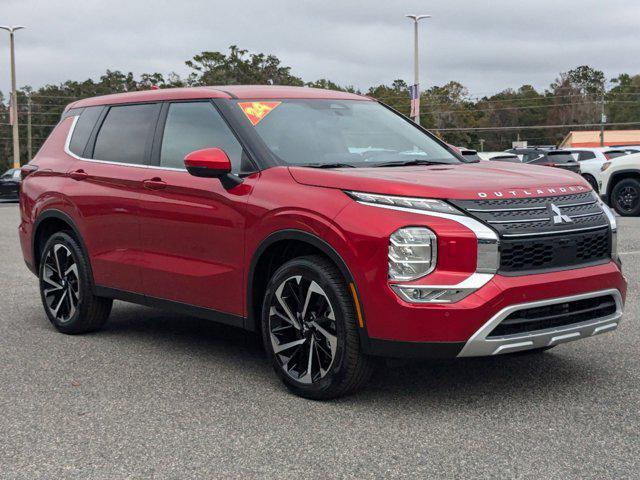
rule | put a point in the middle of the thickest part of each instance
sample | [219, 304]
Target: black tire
[592, 181]
[625, 197]
[90, 312]
[349, 368]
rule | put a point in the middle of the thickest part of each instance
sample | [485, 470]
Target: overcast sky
[486, 45]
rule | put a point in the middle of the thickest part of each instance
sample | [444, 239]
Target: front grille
[545, 233]
[522, 254]
[554, 316]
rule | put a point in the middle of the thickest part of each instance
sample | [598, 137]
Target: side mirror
[208, 162]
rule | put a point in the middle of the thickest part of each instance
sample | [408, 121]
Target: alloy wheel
[60, 282]
[302, 327]
[628, 198]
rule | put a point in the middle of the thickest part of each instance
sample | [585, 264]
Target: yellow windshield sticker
[256, 111]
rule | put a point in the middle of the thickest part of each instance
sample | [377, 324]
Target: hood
[464, 181]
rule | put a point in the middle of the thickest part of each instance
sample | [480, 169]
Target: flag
[414, 92]
[10, 110]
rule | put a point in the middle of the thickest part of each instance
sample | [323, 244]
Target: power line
[530, 127]
[542, 98]
[521, 107]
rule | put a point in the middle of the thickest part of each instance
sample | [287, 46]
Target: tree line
[576, 97]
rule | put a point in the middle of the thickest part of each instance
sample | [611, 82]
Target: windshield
[340, 133]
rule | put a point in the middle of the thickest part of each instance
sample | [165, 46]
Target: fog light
[428, 295]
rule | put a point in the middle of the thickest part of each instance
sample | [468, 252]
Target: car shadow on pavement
[462, 381]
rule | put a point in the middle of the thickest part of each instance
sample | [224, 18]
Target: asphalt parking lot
[155, 395]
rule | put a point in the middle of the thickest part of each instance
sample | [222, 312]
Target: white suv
[591, 161]
[620, 187]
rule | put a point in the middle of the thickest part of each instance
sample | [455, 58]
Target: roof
[595, 149]
[591, 138]
[248, 92]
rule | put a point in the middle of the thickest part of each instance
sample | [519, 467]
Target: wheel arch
[258, 277]
[49, 222]
[618, 176]
[591, 177]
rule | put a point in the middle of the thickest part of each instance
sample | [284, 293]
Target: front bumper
[463, 328]
[482, 344]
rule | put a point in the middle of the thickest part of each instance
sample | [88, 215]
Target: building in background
[591, 138]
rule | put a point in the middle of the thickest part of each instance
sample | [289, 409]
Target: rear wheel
[309, 328]
[65, 287]
[625, 197]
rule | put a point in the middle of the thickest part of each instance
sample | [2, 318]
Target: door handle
[154, 183]
[79, 175]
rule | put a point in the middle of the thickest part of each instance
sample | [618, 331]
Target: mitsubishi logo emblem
[558, 216]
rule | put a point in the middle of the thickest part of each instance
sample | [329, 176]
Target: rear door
[192, 228]
[112, 145]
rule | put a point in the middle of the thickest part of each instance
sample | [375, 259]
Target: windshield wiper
[327, 165]
[405, 163]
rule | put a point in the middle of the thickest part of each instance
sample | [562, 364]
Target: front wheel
[625, 197]
[309, 328]
[592, 181]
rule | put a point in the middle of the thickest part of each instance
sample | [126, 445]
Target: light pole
[14, 95]
[415, 94]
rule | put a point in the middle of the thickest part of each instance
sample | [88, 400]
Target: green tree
[238, 68]
[395, 95]
[623, 100]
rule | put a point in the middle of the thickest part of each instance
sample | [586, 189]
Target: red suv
[324, 220]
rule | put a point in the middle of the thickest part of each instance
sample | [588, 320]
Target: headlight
[412, 253]
[426, 204]
[605, 166]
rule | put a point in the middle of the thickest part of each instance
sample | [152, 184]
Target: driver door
[192, 228]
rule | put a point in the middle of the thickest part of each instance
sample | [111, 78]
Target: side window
[586, 156]
[192, 126]
[84, 127]
[125, 133]
[530, 157]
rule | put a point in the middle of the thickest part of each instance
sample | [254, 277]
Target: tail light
[27, 170]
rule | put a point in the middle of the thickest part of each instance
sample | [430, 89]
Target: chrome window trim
[481, 345]
[109, 162]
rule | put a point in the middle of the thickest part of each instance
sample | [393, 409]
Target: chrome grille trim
[555, 232]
